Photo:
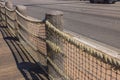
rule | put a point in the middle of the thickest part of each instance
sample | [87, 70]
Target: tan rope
[96, 53]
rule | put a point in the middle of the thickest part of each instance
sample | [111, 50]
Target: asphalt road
[100, 22]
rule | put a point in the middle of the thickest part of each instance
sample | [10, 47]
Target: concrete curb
[112, 51]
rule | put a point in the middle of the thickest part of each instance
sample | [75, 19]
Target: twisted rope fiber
[85, 48]
[53, 46]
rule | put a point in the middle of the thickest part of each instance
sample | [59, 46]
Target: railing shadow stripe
[18, 52]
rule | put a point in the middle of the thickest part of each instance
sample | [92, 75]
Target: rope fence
[65, 57]
[82, 62]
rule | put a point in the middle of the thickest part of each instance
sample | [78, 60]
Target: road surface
[100, 22]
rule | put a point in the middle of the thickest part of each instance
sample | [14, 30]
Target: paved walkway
[8, 68]
[15, 62]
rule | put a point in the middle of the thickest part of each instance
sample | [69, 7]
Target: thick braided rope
[96, 53]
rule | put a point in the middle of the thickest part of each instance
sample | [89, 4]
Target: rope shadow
[26, 64]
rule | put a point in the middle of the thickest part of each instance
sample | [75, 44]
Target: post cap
[22, 9]
[9, 4]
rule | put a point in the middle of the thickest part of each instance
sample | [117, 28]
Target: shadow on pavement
[26, 64]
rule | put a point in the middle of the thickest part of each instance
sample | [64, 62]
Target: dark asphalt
[96, 21]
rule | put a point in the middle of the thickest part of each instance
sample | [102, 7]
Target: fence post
[23, 10]
[9, 4]
[56, 19]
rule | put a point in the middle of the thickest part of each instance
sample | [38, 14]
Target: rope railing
[2, 10]
[87, 62]
[86, 48]
[66, 57]
[10, 19]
